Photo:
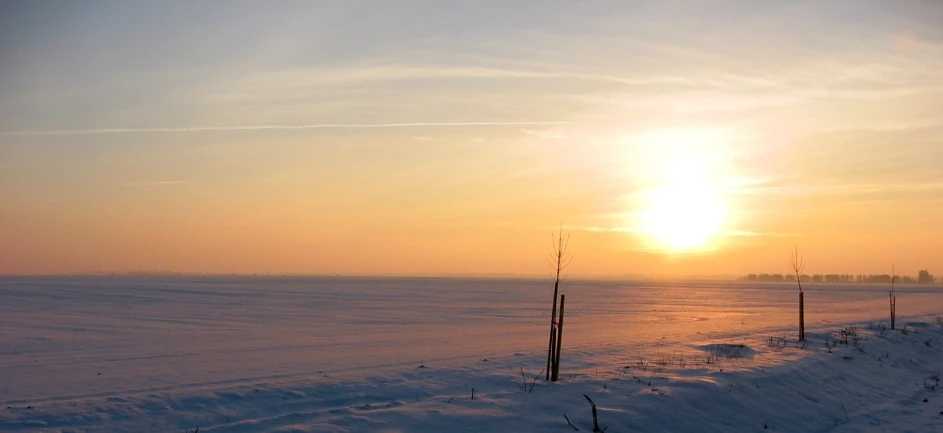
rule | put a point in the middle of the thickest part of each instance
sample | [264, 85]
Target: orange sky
[665, 146]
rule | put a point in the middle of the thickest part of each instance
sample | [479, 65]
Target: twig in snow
[843, 410]
[523, 385]
[473, 393]
[596, 428]
[569, 423]
[533, 383]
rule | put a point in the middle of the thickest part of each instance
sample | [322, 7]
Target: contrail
[266, 127]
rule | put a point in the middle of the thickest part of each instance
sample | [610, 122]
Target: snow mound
[728, 350]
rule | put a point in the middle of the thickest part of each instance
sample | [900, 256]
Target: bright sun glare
[683, 208]
[683, 217]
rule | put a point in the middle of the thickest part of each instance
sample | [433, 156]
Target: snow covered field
[359, 354]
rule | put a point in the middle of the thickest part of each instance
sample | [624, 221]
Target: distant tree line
[923, 277]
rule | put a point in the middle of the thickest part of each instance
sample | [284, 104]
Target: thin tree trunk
[553, 333]
[801, 316]
[893, 299]
[893, 312]
[556, 361]
[797, 265]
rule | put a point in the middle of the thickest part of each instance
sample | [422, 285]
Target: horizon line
[636, 277]
[607, 277]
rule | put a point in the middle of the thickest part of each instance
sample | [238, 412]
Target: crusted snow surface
[244, 354]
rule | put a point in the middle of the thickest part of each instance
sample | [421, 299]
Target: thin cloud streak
[883, 126]
[266, 128]
[164, 182]
[306, 78]
[638, 230]
[844, 189]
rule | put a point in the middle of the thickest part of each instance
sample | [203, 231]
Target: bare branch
[569, 423]
[796, 263]
[596, 428]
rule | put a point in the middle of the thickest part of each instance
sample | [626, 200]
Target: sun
[683, 217]
[682, 206]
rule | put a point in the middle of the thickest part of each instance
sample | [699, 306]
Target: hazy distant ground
[175, 333]
[249, 354]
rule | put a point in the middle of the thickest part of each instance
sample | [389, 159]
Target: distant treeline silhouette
[923, 277]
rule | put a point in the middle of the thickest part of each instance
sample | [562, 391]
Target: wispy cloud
[842, 189]
[164, 182]
[268, 127]
[639, 230]
[905, 125]
[748, 233]
[552, 134]
[309, 77]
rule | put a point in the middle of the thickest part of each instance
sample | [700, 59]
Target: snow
[248, 354]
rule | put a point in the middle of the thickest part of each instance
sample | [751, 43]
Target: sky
[453, 138]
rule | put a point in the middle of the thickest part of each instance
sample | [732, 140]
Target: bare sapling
[893, 299]
[797, 264]
[559, 260]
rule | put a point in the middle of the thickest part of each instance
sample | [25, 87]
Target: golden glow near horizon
[418, 139]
